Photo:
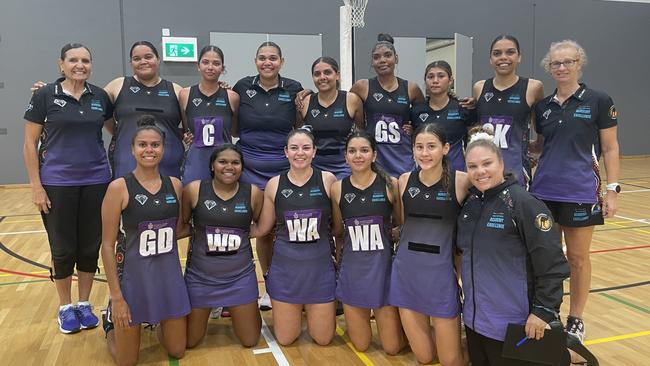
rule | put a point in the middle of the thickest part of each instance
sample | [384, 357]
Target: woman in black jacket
[512, 263]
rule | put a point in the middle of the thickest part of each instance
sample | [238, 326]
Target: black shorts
[74, 227]
[571, 214]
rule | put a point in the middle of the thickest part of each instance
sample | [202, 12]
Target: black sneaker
[576, 327]
[107, 323]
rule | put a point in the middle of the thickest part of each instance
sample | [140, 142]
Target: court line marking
[173, 361]
[627, 303]
[273, 345]
[19, 221]
[22, 282]
[366, 361]
[643, 221]
[261, 350]
[636, 191]
[619, 249]
[22, 232]
[25, 274]
[612, 288]
[617, 338]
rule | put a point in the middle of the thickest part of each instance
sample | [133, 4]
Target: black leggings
[74, 227]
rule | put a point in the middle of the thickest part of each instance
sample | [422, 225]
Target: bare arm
[462, 186]
[33, 132]
[188, 203]
[355, 108]
[609, 147]
[360, 88]
[301, 110]
[183, 97]
[113, 88]
[477, 88]
[267, 218]
[115, 201]
[233, 98]
[415, 92]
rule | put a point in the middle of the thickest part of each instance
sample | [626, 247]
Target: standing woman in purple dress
[144, 273]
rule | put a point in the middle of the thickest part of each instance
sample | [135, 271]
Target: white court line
[261, 350]
[22, 232]
[643, 221]
[273, 345]
[635, 191]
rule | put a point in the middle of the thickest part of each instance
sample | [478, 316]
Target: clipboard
[550, 350]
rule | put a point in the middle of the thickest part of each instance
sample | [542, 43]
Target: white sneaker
[265, 302]
[215, 313]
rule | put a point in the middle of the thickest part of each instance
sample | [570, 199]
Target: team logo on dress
[209, 204]
[251, 93]
[315, 112]
[612, 112]
[414, 191]
[224, 209]
[60, 102]
[286, 192]
[424, 116]
[156, 202]
[488, 96]
[378, 96]
[141, 198]
[349, 197]
[197, 101]
[135, 89]
[362, 199]
[546, 113]
[427, 196]
[543, 222]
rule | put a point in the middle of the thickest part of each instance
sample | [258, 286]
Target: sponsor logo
[314, 192]
[169, 198]
[60, 102]
[583, 112]
[453, 115]
[543, 222]
[30, 106]
[378, 197]
[220, 102]
[612, 112]
[402, 100]
[514, 99]
[338, 113]
[496, 221]
[546, 113]
[241, 208]
[163, 93]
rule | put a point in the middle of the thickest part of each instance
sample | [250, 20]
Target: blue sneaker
[85, 315]
[68, 321]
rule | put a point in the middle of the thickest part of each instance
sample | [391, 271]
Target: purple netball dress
[364, 275]
[302, 269]
[423, 277]
[220, 269]
[150, 272]
[209, 119]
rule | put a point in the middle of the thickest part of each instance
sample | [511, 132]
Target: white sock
[83, 303]
[63, 307]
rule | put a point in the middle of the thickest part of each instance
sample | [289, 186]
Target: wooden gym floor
[617, 315]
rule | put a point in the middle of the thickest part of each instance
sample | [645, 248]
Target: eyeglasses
[568, 63]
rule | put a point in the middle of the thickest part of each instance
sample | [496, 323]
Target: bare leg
[172, 334]
[447, 333]
[85, 284]
[321, 322]
[124, 344]
[389, 328]
[197, 325]
[578, 241]
[63, 289]
[418, 331]
[287, 321]
[246, 323]
[357, 321]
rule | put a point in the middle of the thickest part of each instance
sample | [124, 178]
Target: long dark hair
[437, 130]
[373, 146]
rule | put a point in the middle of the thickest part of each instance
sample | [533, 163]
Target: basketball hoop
[358, 8]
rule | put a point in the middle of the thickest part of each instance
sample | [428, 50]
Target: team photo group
[435, 216]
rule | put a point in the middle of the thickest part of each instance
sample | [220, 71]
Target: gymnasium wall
[32, 32]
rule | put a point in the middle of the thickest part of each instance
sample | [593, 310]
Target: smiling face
[227, 167]
[77, 64]
[384, 60]
[565, 65]
[504, 57]
[300, 151]
[268, 62]
[148, 148]
[325, 77]
[437, 81]
[359, 154]
[428, 150]
[211, 66]
[144, 62]
[484, 168]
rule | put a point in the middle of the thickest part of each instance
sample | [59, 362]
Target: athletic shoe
[215, 313]
[85, 315]
[68, 321]
[107, 324]
[265, 302]
[225, 313]
[575, 327]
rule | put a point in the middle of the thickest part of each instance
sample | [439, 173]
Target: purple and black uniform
[512, 260]
[423, 277]
[220, 269]
[364, 275]
[72, 151]
[265, 120]
[508, 114]
[454, 119]
[302, 269]
[331, 127]
[386, 113]
[568, 167]
[149, 270]
[136, 99]
[209, 118]
[74, 172]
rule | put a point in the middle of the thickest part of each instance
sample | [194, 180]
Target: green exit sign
[180, 49]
